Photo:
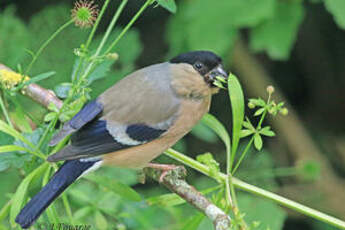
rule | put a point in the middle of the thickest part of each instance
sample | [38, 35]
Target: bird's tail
[69, 172]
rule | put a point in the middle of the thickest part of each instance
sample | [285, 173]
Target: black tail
[65, 176]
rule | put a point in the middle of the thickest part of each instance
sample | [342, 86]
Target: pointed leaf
[259, 112]
[212, 122]
[257, 141]
[115, 186]
[12, 148]
[19, 196]
[101, 222]
[193, 222]
[246, 132]
[267, 132]
[170, 5]
[237, 106]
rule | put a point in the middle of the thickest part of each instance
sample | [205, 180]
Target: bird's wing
[138, 109]
[85, 115]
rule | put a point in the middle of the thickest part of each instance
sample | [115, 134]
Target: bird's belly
[138, 157]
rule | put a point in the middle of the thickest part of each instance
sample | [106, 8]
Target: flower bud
[270, 89]
[284, 111]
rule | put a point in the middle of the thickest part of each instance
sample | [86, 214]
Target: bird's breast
[190, 113]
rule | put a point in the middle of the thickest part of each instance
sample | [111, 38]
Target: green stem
[45, 44]
[4, 110]
[94, 28]
[257, 191]
[136, 16]
[111, 26]
[243, 155]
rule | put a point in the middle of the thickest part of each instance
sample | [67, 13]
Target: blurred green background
[297, 46]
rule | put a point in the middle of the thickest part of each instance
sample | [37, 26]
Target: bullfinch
[132, 122]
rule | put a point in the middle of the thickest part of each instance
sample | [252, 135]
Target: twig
[39, 94]
[174, 180]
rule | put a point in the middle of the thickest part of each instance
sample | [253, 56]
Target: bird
[132, 122]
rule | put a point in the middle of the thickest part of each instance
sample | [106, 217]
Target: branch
[39, 94]
[174, 180]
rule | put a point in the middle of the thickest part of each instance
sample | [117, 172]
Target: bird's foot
[164, 168]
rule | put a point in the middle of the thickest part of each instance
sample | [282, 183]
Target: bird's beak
[217, 76]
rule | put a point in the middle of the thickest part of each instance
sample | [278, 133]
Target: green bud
[284, 111]
[251, 105]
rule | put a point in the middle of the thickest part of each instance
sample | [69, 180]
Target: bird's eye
[198, 65]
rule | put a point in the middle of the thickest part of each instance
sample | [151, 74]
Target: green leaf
[218, 128]
[115, 186]
[82, 212]
[170, 5]
[100, 71]
[101, 222]
[277, 35]
[247, 124]
[337, 9]
[207, 159]
[237, 108]
[267, 131]
[268, 213]
[193, 222]
[14, 133]
[19, 196]
[246, 132]
[50, 116]
[12, 148]
[38, 78]
[20, 120]
[257, 102]
[204, 133]
[257, 141]
[259, 111]
[62, 89]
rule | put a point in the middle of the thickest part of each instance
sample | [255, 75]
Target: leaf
[218, 128]
[267, 131]
[19, 196]
[82, 212]
[193, 222]
[245, 133]
[38, 78]
[247, 124]
[50, 116]
[257, 141]
[237, 108]
[170, 5]
[101, 222]
[14, 133]
[268, 213]
[115, 186]
[207, 159]
[62, 89]
[337, 9]
[100, 71]
[257, 102]
[12, 148]
[204, 133]
[259, 111]
[20, 120]
[277, 35]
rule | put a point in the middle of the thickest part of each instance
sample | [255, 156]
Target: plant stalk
[258, 191]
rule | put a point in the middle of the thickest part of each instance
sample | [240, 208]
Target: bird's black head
[207, 63]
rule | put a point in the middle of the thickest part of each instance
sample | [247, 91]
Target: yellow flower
[9, 79]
